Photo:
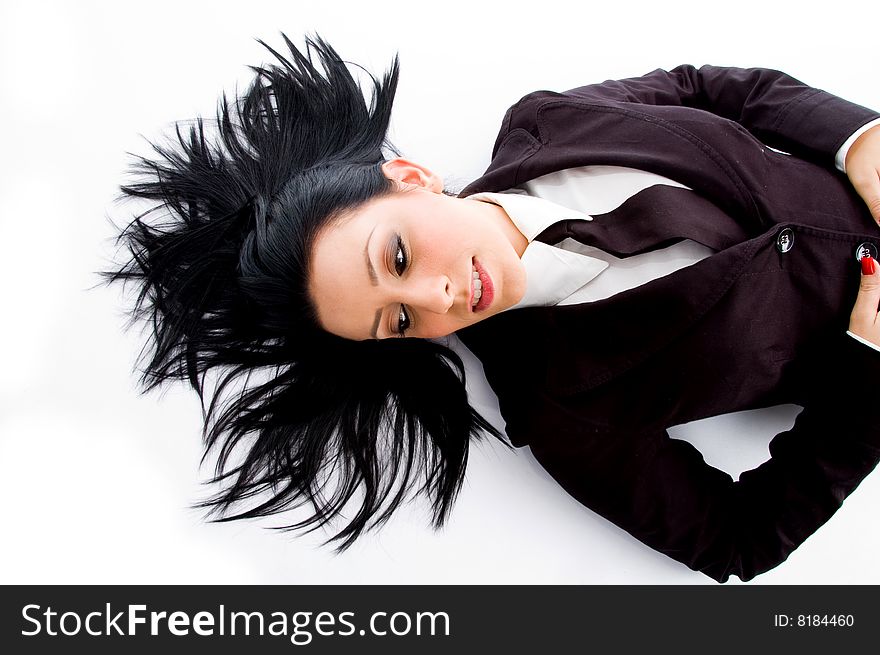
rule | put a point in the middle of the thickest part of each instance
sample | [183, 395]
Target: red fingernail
[868, 266]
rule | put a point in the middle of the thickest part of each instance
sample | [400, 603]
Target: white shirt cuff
[864, 341]
[840, 157]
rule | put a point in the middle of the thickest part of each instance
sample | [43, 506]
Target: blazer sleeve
[779, 110]
[662, 492]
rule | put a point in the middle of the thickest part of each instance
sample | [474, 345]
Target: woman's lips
[488, 288]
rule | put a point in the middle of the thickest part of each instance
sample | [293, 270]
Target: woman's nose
[434, 294]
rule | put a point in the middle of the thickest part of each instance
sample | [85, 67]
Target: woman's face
[403, 264]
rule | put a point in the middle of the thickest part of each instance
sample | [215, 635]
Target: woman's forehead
[340, 279]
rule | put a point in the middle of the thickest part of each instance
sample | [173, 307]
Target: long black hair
[221, 263]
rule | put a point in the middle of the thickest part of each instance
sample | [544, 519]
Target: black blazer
[754, 325]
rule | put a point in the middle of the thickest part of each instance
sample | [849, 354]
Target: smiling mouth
[482, 289]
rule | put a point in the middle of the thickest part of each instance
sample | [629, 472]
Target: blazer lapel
[645, 138]
[573, 348]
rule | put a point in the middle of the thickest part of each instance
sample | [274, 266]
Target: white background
[97, 480]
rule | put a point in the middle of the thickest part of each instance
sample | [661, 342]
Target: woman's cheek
[434, 328]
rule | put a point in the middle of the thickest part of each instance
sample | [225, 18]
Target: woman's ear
[407, 173]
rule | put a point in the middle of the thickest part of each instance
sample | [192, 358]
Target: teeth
[478, 289]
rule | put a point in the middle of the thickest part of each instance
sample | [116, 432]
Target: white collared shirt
[570, 272]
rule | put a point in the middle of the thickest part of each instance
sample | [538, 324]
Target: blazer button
[866, 248]
[785, 240]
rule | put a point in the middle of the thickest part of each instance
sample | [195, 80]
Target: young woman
[649, 251]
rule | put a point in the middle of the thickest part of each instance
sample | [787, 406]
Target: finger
[869, 189]
[865, 308]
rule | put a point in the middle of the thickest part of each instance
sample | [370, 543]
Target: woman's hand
[863, 320]
[863, 169]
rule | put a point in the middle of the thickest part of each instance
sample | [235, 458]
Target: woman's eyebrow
[375, 329]
[374, 280]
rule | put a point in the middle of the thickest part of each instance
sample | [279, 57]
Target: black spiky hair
[221, 263]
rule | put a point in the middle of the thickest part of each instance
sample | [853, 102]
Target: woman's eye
[402, 321]
[400, 258]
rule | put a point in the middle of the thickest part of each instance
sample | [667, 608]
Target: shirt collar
[552, 274]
